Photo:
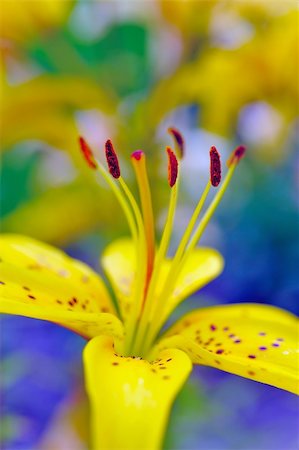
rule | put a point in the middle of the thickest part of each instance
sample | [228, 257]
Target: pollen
[112, 159]
[215, 167]
[172, 167]
[179, 141]
[236, 155]
[87, 153]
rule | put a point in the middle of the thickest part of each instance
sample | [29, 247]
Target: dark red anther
[87, 153]
[179, 141]
[112, 159]
[137, 155]
[172, 167]
[236, 155]
[215, 167]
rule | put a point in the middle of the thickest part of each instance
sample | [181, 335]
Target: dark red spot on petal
[220, 351]
[262, 348]
[31, 296]
[251, 356]
[213, 327]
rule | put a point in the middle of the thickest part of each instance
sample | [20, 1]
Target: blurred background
[222, 72]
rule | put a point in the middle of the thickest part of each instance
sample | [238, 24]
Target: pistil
[162, 251]
[139, 164]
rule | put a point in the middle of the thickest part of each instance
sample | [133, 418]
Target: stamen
[236, 155]
[172, 167]
[177, 265]
[112, 159]
[87, 153]
[215, 167]
[139, 164]
[179, 141]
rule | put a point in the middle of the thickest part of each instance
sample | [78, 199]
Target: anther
[172, 167]
[112, 159]
[236, 155]
[87, 153]
[215, 167]
[179, 141]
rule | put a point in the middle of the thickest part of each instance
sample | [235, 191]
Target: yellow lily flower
[132, 373]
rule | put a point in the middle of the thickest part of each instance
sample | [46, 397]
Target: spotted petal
[119, 262]
[42, 282]
[251, 340]
[131, 402]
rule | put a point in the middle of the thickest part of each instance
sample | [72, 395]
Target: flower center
[150, 296]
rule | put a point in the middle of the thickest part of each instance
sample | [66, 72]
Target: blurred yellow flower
[23, 20]
[222, 80]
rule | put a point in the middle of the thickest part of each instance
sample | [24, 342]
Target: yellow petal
[119, 262]
[87, 325]
[254, 341]
[131, 398]
[24, 20]
[201, 267]
[41, 107]
[61, 214]
[40, 281]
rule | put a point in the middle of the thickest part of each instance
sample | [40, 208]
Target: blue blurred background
[224, 73]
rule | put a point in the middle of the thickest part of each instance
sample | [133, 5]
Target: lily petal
[119, 263]
[251, 340]
[131, 402]
[42, 282]
[202, 266]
